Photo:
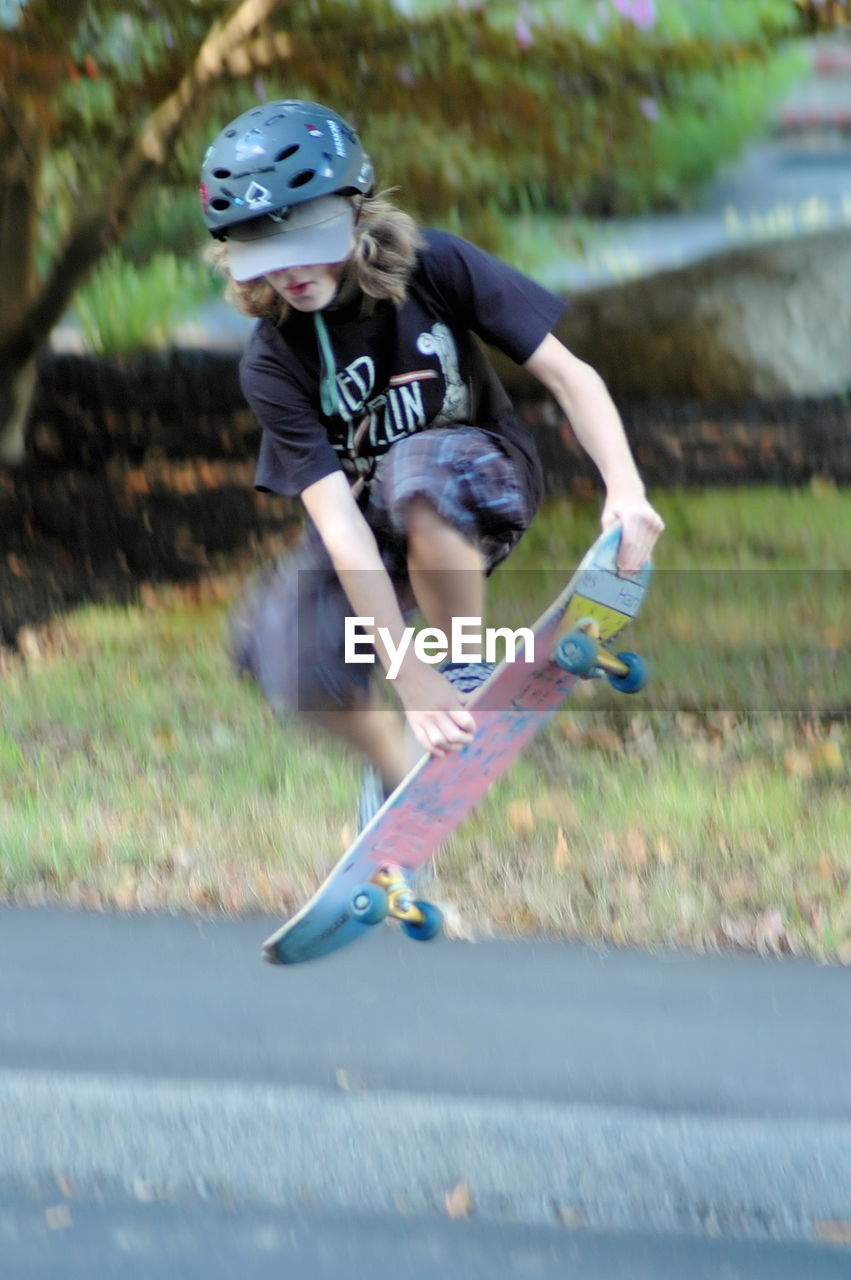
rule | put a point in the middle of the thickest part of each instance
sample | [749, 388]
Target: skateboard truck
[388, 893]
[581, 653]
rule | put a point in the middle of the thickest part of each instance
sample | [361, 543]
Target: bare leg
[446, 571]
[447, 577]
[375, 731]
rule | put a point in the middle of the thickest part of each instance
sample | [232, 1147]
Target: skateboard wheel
[430, 925]
[370, 904]
[577, 653]
[636, 677]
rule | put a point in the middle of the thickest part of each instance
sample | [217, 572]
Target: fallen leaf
[770, 933]
[798, 763]
[124, 893]
[455, 925]
[833, 1232]
[568, 727]
[828, 758]
[459, 1201]
[28, 641]
[634, 848]
[633, 891]
[664, 851]
[556, 804]
[604, 738]
[739, 931]
[571, 1215]
[520, 817]
[58, 1217]
[740, 890]
[561, 853]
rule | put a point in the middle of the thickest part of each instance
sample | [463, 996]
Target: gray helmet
[278, 155]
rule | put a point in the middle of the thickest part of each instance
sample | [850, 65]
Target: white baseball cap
[318, 231]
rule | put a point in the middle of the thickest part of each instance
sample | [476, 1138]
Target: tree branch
[91, 237]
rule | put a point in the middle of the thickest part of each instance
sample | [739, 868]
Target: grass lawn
[711, 809]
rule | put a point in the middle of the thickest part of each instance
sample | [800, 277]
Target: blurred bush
[125, 307]
[475, 112]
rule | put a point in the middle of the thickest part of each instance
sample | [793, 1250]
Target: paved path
[139, 1242]
[158, 1058]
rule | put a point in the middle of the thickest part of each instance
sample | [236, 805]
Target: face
[307, 288]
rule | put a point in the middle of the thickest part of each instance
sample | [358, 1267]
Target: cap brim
[256, 249]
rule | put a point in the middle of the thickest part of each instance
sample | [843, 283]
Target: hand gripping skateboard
[373, 878]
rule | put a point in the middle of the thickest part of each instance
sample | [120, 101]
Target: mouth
[297, 290]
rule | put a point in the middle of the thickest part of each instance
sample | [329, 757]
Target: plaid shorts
[288, 630]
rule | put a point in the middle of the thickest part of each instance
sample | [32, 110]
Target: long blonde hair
[385, 250]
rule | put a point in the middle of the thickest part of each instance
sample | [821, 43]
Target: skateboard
[373, 879]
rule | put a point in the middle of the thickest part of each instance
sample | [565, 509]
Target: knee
[421, 521]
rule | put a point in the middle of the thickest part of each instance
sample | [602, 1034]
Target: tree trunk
[29, 311]
[16, 396]
[22, 143]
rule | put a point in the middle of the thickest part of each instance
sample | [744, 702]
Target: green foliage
[592, 117]
[477, 112]
[466, 120]
[706, 125]
[128, 308]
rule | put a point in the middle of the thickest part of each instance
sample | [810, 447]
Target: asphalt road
[127, 1242]
[168, 1101]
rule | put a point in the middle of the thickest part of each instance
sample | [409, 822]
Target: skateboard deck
[572, 639]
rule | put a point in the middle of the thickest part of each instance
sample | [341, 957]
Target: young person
[381, 412]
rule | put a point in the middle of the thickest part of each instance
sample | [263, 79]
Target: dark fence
[141, 469]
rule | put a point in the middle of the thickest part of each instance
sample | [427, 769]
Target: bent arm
[354, 554]
[432, 705]
[585, 401]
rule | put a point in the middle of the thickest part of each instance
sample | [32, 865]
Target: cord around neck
[329, 392]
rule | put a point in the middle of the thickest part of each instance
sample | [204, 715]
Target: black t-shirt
[408, 368]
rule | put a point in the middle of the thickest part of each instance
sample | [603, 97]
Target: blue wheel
[431, 925]
[369, 904]
[577, 653]
[636, 677]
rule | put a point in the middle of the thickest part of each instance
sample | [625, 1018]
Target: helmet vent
[301, 179]
[221, 173]
[219, 204]
[287, 152]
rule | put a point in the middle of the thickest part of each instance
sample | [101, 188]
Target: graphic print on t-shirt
[399, 370]
[399, 410]
[456, 402]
